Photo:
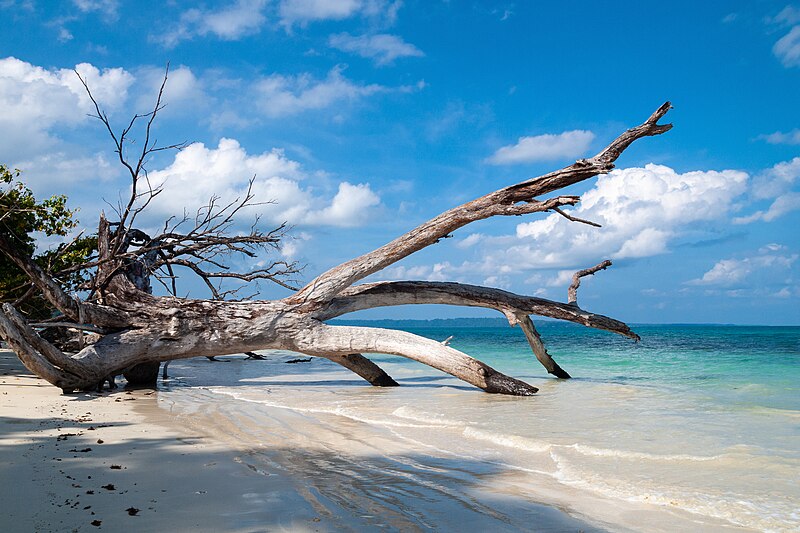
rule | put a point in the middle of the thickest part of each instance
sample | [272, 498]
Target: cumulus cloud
[198, 173]
[350, 207]
[779, 137]
[642, 211]
[229, 23]
[569, 144]
[34, 100]
[731, 272]
[304, 11]
[383, 49]
[280, 95]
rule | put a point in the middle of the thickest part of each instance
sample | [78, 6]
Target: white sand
[68, 461]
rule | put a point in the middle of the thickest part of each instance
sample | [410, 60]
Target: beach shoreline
[261, 445]
[117, 460]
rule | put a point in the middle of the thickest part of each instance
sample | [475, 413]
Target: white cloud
[562, 278]
[650, 241]
[288, 95]
[731, 272]
[183, 90]
[776, 183]
[470, 240]
[56, 171]
[783, 204]
[198, 173]
[230, 23]
[34, 100]
[777, 180]
[51, 96]
[26, 5]
[350, 207]
[304, 11]
[789, 15]
[779, 137]
[787, 49]
[383, 49]
[292, 244]
[64, 35]
[108, 8]
[642, 210]
[547, 147]
[434, 272]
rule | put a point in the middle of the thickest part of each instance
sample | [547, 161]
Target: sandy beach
[117, 460]
[262, 445]
[103, 461]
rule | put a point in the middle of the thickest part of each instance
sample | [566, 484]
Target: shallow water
[695, 426]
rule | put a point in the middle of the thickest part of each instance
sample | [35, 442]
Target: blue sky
[363, 118]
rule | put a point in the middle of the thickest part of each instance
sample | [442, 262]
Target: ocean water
[694, 428]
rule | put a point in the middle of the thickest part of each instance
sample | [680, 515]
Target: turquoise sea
[696, 427]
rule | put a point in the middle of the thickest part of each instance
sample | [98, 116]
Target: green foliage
[21, 217]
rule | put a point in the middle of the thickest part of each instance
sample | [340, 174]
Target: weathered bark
[355, 362]
[572, 292]
[141, 329]
[392, 293]
[538, 347]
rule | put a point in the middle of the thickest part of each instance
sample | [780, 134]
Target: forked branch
[514, 200]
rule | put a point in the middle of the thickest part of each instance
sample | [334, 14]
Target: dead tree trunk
[139, 328]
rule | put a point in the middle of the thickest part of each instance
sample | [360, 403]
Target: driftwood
[140, 328]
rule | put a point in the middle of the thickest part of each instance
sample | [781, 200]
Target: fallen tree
[136, 328]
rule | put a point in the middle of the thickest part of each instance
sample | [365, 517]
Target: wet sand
[117, 460]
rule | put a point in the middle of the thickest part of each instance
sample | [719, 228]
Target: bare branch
[501, 202]
[392, 293]
[576, 219]
[43, 281]
[576, 280]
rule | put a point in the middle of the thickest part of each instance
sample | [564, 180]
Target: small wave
[530, 445]
[410, 413]
[509, 441]
[336, 411]
[584, 449]
[788, 413]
